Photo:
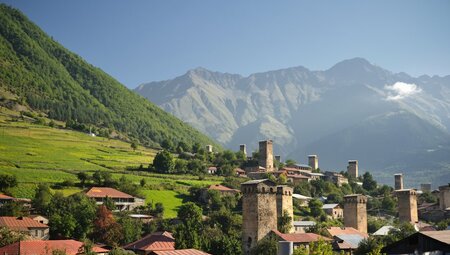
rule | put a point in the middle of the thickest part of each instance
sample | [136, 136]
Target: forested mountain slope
[51, 79]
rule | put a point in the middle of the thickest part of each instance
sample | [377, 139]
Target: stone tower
[284, 203]
[243, 149]
[398, 181]
[266, 155]
[355, 212]
[425, 187]
[209, 148]
[278, 158]
[444, 196]
[407, 205]
[259, 211]
[313, 161]
[352, 168]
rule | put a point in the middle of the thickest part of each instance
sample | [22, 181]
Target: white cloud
[400, 90]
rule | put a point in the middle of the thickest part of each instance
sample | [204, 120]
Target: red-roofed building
[336, 231]
[158, 241]
[300, 238]
[26, 225]
[297, 178]
[223, 189]
[180, 252]
[40, 247]
[212, 170]
[240, 172]
[123, 201]
[346, 239]
[5, 199]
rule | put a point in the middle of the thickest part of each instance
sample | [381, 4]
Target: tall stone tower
[266, 155]
[209, 148]
[259, 211]
[284, 203]
[407, 205]
[243, 149]
[355, 212]
[278, 158]
[425, 187]
[313, 161]
[398, 181]
[444, 196]
[352, 168]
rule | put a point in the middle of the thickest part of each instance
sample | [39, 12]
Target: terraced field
[36, 153]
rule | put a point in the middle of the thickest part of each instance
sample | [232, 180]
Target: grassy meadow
[41, 154]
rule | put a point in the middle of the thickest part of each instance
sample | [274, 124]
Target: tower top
[355, 198]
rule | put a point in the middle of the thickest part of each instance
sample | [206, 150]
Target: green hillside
[41, 154]
[48, 78]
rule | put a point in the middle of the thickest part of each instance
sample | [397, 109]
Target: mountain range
[390, 122]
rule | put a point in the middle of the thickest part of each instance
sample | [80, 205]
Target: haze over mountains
[390, 122]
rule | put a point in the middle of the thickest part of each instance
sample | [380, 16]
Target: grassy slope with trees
[40, 154]
[50, 79]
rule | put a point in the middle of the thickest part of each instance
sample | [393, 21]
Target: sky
[141, 41]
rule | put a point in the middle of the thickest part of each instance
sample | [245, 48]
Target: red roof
[5, 197]
[300, 237]
[335, 231]
[286, 168]
[239, 170]
[221, 188]
[181, 252]
[158, 241]
[40, 247]
[106, 192]
[20, 223]
[297, 176]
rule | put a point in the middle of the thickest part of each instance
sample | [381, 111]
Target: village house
[383, 231]
[27, 226]
[5, 199]
[239, 172]
[38, 247]
[302, 200]
[144, 218]
[302, 226]
[223, 190]
[333, 210]
[302, 167]
[211, 170]
[336, 178]
[425, 242]
[346, 239]
[122, 201]
[158, 241]
[39, 218]
[314, 176]
[296, 178]
[180, 252]
[298, 239]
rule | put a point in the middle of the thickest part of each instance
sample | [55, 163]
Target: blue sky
[142, 41]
